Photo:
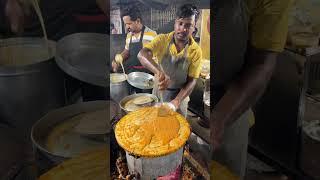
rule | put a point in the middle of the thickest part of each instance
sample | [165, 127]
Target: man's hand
[175, 103]
[168, 105]
[15, 15]
[114, 66]
[115, 63]
[118, 58]
[164, 80]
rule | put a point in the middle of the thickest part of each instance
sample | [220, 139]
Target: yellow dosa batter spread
[144, 133]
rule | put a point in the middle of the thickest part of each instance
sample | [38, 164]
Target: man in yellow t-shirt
[254, 34]
[138, 35]
[179, 58]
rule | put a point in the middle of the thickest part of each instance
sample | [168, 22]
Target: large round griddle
[84, 57]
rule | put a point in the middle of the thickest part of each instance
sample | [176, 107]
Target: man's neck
[139, 30]
[180, 45]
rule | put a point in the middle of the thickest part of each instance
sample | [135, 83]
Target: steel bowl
[128, 98]
[140, 80]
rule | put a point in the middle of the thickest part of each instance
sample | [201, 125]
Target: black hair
[187, 10]
[133, 12]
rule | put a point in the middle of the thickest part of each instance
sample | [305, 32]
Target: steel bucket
[47, 159]
[118, 90]
[31, 86]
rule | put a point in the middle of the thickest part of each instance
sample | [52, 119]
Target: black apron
[230, 36]
[132, 64]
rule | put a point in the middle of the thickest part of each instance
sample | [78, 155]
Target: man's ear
[139, 21]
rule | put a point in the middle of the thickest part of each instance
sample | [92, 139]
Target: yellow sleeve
[195, 66]
[157, 45]
[269, 23]
[148, 37]
[127, 41]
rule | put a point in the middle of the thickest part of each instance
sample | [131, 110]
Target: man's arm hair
[125, 54]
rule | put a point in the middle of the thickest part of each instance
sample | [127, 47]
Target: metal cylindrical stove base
[151, 168]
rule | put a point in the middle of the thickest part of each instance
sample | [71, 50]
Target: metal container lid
[84, 56]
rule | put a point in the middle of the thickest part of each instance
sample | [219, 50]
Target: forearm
[125, 54]
[247, 88]
[145, 58]
[186, 90]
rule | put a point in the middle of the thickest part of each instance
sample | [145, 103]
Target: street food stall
[139, 107]
[55, 46]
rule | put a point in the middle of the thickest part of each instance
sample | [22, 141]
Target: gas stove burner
[190, 171]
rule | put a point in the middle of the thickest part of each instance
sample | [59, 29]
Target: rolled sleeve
[195, 66]
[269, 24]
[156, 45]
[127, 42]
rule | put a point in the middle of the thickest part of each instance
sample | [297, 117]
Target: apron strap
[140, 42]
[141, 35]
[185, 49]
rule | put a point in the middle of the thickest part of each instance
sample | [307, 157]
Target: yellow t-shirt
[268, 23]
[148, 36]
[159, 47]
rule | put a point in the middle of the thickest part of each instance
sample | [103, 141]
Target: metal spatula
[163, 110]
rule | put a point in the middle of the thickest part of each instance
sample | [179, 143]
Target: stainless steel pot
[118, 90]
[29, 90]
[84, 56]
[41, 130]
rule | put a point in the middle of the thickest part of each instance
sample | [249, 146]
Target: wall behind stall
[117, 42]
[204, 34]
